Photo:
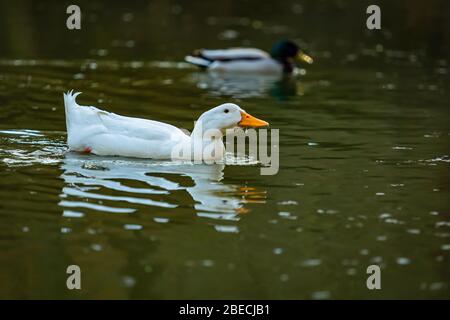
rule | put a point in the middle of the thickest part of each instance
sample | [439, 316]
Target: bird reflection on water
[243, 86]
[87, 177]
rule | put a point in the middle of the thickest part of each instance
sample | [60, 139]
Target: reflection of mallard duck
[236, 85]
[103, 133]
[281, 59]
[242, 86]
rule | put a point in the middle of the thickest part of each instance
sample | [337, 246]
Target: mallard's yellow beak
[250, 121]
[301, 56]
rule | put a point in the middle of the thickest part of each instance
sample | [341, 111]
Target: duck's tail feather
[198, 61]
[69, 105]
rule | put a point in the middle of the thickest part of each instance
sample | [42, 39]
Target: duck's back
[90, 129]
[234, 54]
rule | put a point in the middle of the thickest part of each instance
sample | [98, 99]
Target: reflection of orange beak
[252, 195]
[241, 210]
[250, 121]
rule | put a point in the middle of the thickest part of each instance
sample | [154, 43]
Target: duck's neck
[287, 66]
[207, 144]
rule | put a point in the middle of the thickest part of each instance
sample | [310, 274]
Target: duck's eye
[226, 110]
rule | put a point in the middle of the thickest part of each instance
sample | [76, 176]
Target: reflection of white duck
[85, 176]
[103, 133]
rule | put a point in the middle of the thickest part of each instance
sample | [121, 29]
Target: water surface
[364, 176]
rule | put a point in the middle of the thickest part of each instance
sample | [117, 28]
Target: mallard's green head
[287, 52]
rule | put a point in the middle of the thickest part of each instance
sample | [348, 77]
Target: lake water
[363, 179]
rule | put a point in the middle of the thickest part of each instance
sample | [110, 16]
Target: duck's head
[227, 116]
[288, 52]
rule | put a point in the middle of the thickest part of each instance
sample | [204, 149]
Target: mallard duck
[104, 133]
[281, 59]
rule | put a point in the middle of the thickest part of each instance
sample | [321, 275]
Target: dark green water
[364, 165]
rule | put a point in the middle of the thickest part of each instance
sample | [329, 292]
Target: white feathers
[197, 61]
[69, 105]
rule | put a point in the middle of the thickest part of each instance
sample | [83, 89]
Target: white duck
[250, 60]
[104, 133]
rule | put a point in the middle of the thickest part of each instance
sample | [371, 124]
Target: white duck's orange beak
[250, 121]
